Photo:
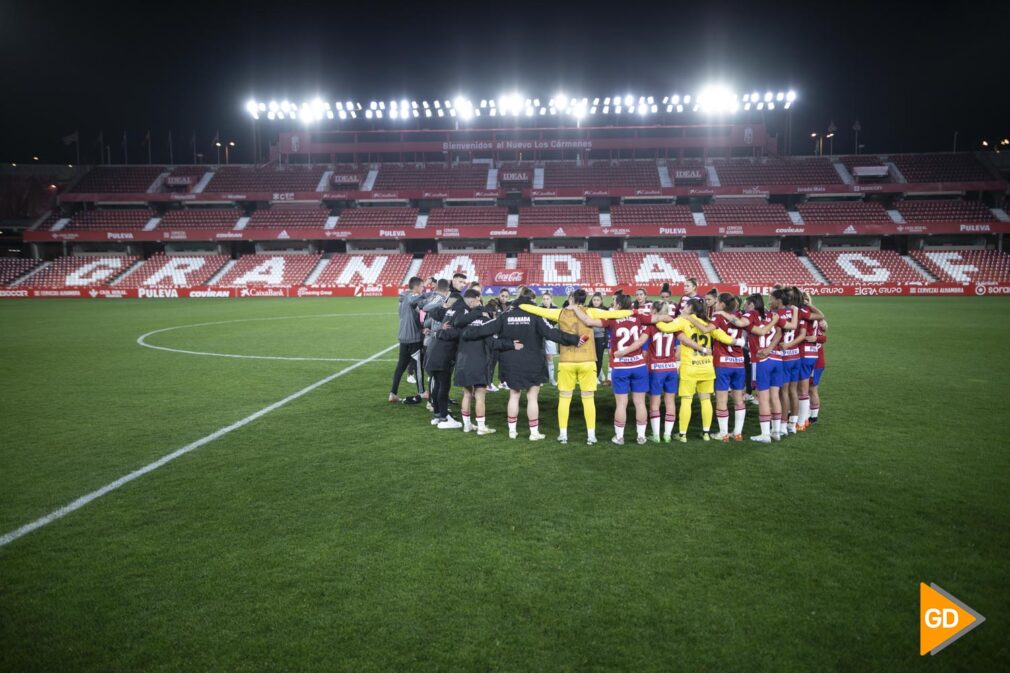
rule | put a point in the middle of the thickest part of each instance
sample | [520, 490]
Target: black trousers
[405, 358]
[441, 383]
[601, 348]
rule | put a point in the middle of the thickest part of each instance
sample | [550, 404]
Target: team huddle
[770, 353]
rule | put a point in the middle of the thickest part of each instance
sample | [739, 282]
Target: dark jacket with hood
[474, 353]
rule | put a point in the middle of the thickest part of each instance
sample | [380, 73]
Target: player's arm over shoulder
[549, 313]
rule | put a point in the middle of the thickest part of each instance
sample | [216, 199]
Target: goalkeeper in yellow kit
[577, 364]
[697, 373]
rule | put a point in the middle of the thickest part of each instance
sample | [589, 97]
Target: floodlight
[553, 110]
[761, 106]
[536, 102]
[788, 104]
[425, 105]
[561, 99]
[427, 112]
[262, 107]
[354, 114]
[483, 102]
[529, 112]
[768, 97]
[606, 109]
[293, 113]
[696, 106]
[596, 101]
[650, 100]
[273, 105]
[393, 105]
[373, 105]
[675, 100]
[606, 101]
[378, 114]
[329, 114]
[791, 96]
[438, 105]
[780, 96]
[413, 104]
[669, 108]
[285, 106]
[617, 109]
[343, 115]
[459, 102]
[382, 105]
[771, 106]
[654, 108]
[447, 105]
[452, 112]
[641, 100]
[680, 108]
[629, 99]
[403, 104]
[441, 113]
[687, 99]
[394, 113]
[592, 110]
[368, 113]
[271, 115]
[746, 106]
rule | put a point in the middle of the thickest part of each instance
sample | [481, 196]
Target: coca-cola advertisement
[509, 277]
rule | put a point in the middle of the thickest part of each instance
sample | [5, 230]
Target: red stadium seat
[175, 271]
[966, 266]
[749, 212]
[772, 171]
[624, 216]
[941, 168]
[476, 265]
[269, 270]
[289, 178]
[200, 218]
[463, 216]
[945, 211]
[430, 177]
[280, 216]
[553, 216]
[761, 268]
[12, 268]
[82, 271]
[843, 211]
[562, 268]
[351, 269]
[654, 268]
[601, 175]
[133, 218]
[378, 217]
[118, 180]
[864, 266]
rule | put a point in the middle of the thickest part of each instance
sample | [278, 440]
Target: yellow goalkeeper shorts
[692, 386]
[583, 373]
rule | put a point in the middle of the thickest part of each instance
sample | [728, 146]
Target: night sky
[912, 76]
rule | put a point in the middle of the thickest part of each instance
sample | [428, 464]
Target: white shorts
[550, 347]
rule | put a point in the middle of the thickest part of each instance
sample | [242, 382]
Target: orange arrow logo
[942, 619]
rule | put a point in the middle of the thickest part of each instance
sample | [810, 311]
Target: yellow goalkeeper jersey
[694, 365]
[569, 322]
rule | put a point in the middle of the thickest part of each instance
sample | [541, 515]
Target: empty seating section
[760, 268]
[200, 218]
[133, 218]
[12, 268]
[944, 211]
[175, 271]
[655, 268]
[378, 217]
[269, 179]
[118, 180]
[347, 177]
[83, 271]
[552, 216]
[269, 270]
[624, 216]
[687, 171]
[868, 160]
[941, 168]
[864, 266]
[966, 266]
[776, 172]
[431, 177]
[562, 268]
[305, 217]
[843, 211]
[476, 265]
[468, 215]
[601, 175]
[352, 269]
[752, 212]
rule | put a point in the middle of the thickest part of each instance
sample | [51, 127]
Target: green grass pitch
[341, 533]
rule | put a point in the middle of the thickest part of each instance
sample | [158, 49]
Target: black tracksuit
[441, 358]
[475, 350]
[524, 368]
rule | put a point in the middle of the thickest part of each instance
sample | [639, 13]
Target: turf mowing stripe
[112, 486]
[142, 339]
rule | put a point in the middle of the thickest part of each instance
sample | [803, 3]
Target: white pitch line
[150, 467]
[142, 339]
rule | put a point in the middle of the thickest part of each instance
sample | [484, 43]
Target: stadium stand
[966, 266]
[843, 211]
[267, 179]
[760, 268]
[393, 177]
[552, 216]
[346, 177]
[851, 163]
[175, 271]
[269, 270]
[640, 268]
[940, 167]
[696, 173]
[477, 266]
[623, 216]
[200, 218]
[302, 216]
[562, 268]
[133, 218]
[864, 266]
[351, 269]
[82, 271]
[601, 175]
[776, 172]
[117, 180]
[12, 268]
[378, 217]
[944, 211]
[468, 215]
[753, 212]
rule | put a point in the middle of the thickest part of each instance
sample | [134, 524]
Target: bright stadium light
[606, 109]
[680, 108]
[493, 112]
[617, 109]
[761, 106]
[788, 104]
[675, 99]
[771, 106]
[592, 110]
[394, 113]
[746, 106]
[606, 101]
[441, 113]
[654, 109]
[354, 114]
[687, 99]
[343, 115]
[768, 97]
[368, 113]
[629, 99]
[438, 105]
[780, 97]
[271, 115]
[329, 114]
[791, 96]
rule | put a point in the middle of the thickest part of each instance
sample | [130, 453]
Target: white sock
[804, 410]
[641, 429]
[466, 422]
[765, 430]
[563, 433]
[792, 422]
[591, 435]
[654, 422]
[738, 418]
[480, 422]
[513, 422]
[550, 370]
[671, 421]
[814, 411]
[618, 430]
[723, 424]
